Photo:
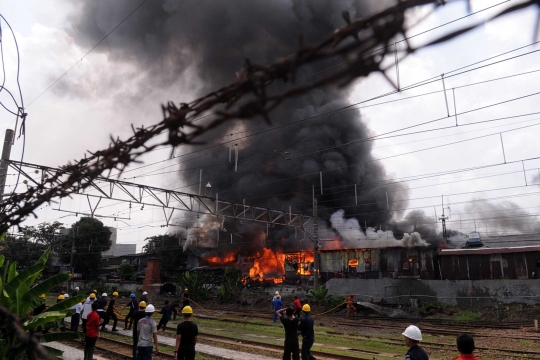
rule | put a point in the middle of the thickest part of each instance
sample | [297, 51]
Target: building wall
[380, 263]
[516, 265]
[466, 293]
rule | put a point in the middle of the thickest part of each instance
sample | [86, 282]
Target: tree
[27, 248]
[19, 295]
[125, 270]
[166, 248]
[91, 239]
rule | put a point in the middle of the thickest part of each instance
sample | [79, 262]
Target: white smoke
[203, 234]
[352, 236]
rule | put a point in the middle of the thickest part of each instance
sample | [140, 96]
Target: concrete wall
[464, 293]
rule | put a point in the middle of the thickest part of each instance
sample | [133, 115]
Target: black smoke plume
[205, 43]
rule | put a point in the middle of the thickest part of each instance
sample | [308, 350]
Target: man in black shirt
[41, 308]
[133, 305]
[175, 304]
[412, 336]
[186, 337]
[137, 315]
[111, 313]
[185, 299]
[290, 324]
[308, 334]
[165, 315]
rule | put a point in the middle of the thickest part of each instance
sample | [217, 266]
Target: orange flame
[215, 260]
[267, 266]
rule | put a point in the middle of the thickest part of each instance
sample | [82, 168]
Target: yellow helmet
[278, 296]
[142, 304]
[186, 289]
[306, 308]
[187, 310]
[61, 297]
[42, 296]
[115, 293]
[95, 291]
[92, 296]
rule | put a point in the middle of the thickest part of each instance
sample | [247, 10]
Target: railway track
[122, 350]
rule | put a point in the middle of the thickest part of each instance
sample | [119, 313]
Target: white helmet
[77, 288]
[104, 295]
[413, 333]
[145, 293]
[149, 308]
[277, 292]
[66, 296]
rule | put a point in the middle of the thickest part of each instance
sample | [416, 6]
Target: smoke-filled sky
[178, 50]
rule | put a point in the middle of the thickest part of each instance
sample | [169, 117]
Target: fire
[215, 260]
[300, 262]
[267, 266]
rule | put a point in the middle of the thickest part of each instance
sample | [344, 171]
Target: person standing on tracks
[290, 324]
[175, 304]
[138, 315]
[144, 297]
[87, 309]
[465, 346]
[41, 308]
[111, 313]
[133, 305]
[101, 303]
[147, 334]
[305, 328]
[185, 299]
[186, 337]
[76, 317]
[278, 305]
[412, 336]
[165, 315]
[297, 306]
[92, 332]
[350, 305]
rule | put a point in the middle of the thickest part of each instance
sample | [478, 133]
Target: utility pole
[6, 151]
[71, 259]
[316, 245]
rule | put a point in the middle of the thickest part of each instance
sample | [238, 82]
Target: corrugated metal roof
[484, 250]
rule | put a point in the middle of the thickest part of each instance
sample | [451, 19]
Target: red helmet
[352, 295]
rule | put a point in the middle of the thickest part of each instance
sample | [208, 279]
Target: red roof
[485, 250]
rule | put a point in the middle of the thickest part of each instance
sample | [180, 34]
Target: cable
[361, 163]
[89, 51]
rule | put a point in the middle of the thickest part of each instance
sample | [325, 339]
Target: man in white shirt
[87, 309]
[75, 318]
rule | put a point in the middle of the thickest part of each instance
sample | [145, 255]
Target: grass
[467, 316]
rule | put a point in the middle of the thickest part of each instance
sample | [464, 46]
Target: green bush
[19, 295]
[231, 285]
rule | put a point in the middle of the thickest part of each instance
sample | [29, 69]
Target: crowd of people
[96, 311]
[294, 324]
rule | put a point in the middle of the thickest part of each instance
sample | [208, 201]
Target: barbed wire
[361, 45]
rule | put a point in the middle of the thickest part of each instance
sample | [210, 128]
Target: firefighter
[165, 315]
[62, 323]
[133, 305]
[412, 336]
[75, 292]
[185, 299]
[75, 318]
[87, 309]
[278, 304]
[297, 306]
[305, 328]
[186, 336]
[138, 315]
[111, 314]
[144, 297]
[350, 305]
[101, 303]
[41, 308]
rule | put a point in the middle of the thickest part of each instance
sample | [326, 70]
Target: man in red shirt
[465, 345]
[92, 332]
[297, 306]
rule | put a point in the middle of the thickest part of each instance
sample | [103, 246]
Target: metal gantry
[169, 200]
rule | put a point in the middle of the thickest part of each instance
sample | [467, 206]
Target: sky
[101, 96]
